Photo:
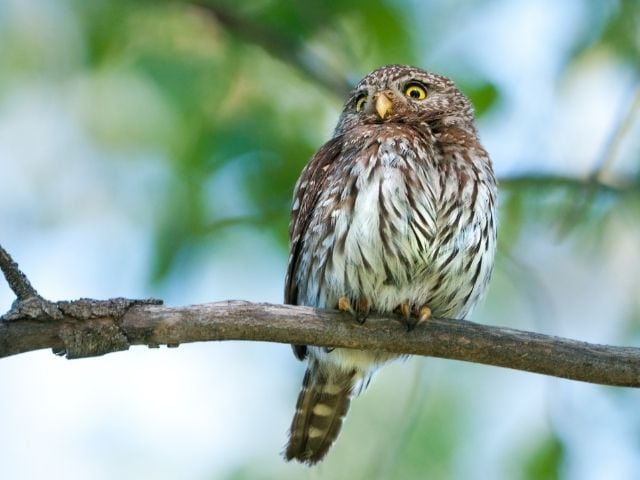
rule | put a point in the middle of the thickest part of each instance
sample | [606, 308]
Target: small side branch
[18, 281]
[279, 46]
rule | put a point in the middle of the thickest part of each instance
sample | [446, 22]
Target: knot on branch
[33, 308]
[93, 327]
[92, 339]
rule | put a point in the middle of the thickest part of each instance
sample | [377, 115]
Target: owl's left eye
[415, 90]
[361, 102]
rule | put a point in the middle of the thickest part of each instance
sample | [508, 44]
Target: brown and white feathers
[396, 210]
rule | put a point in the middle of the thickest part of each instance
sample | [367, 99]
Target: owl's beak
[383, 105]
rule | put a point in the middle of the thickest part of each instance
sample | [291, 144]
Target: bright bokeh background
[150, 149]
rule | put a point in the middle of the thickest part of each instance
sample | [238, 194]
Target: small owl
[395, 214]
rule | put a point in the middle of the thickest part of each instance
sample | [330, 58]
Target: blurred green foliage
[612, 26]
[545, 460]
[429, 445]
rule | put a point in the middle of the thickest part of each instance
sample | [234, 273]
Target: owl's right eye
[361, 101]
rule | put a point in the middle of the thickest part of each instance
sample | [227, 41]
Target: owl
[395, 214]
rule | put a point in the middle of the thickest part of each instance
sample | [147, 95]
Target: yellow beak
[383, 105]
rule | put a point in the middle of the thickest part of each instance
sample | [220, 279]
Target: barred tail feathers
[322, 405]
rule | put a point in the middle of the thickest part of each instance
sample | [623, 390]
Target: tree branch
[18, 282]
[86, 327]
[537, 181]
[279, 46]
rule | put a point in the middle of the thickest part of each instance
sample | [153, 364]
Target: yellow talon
[405, 309]
[363, 306]
[424, 313]
[344, 305]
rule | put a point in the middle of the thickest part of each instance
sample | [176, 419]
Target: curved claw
[411, 319]
[344, 305]
[360, 312]
[404, 312]
[424, 313]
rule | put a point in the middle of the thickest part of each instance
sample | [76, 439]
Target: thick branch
[86, 324]
[86, 327]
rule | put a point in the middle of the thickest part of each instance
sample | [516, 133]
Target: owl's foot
[424, 314]
[404, 312]
[360, 312]
[412, 319]
[344, 305]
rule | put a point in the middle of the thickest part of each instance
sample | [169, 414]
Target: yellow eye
[415, 91]
[361, 102]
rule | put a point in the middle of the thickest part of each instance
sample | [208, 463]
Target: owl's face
[407, 95]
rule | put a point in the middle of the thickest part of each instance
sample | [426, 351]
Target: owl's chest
[374, 227]
[395, 227]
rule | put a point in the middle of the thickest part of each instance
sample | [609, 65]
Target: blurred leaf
[103, 24]
[385, 34]
[613, 25]
[545, 460]
[567, 205]
[512, 215]
[484, 96]
[431, 443]
[621, 31]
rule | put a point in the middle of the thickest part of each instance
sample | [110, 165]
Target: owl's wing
[305, 197]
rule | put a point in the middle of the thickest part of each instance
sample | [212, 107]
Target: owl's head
[407, 95]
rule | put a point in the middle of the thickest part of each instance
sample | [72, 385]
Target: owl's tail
[321, 408]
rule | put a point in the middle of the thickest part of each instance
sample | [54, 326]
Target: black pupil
[414, 93]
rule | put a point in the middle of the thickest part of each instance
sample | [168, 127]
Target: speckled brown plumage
[395, 213]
